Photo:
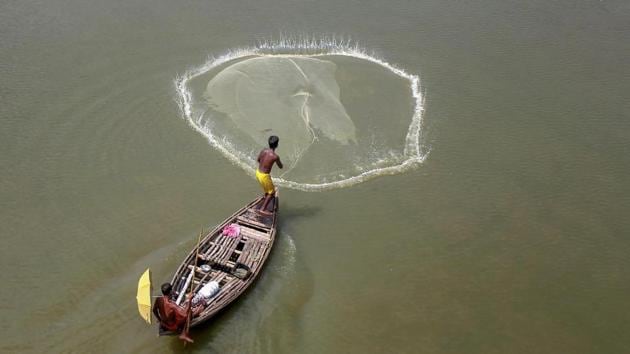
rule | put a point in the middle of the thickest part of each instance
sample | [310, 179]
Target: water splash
[413, 154]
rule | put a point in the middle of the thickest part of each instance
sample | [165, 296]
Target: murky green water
[511, 237]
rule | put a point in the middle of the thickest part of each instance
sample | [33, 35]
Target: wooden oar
[184, 335]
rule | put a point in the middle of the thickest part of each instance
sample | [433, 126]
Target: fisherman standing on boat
[173, 317]
[266, 159]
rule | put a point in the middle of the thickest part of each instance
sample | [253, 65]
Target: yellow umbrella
[144, 295]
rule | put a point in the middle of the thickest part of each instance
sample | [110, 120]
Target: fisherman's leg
[270, 190]
[185, 337]
[263, 207]
[184, 334]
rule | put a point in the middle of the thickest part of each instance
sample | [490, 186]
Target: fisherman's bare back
[266, 159]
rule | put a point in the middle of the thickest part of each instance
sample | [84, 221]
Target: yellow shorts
[265, 182]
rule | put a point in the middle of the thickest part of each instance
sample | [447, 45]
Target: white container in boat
[209, 290]
[206, 293]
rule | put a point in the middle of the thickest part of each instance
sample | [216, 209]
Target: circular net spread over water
[342, 116]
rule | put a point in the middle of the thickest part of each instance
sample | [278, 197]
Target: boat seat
[254, 234]
[252, 223]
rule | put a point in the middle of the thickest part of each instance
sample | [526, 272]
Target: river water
[510, 236]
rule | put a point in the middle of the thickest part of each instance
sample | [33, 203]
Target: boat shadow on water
[289, 213]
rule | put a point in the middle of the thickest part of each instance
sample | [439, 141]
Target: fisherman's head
[166, 288]
[273, 141]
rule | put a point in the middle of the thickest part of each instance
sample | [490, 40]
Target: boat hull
[233, 261]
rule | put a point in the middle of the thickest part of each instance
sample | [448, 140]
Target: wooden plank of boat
[248, 221]
[223, 253]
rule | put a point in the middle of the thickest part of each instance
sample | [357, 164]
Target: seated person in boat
[173, 317]
[266, 159]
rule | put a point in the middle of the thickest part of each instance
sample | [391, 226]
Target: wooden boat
[233, 262]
